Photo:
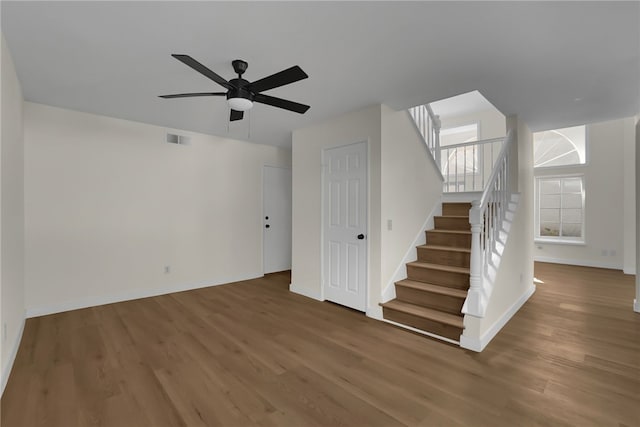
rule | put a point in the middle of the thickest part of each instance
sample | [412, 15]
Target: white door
[276, 219]
[345, 225]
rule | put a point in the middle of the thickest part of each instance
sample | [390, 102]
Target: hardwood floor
[252, 353]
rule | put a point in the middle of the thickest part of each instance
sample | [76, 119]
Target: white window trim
[560, 240]
[587, 156]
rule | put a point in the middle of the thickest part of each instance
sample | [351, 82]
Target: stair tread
[445, 248]
[439, 267]
[430, 287]
[452, 216]
[425, 313]
[439, 230]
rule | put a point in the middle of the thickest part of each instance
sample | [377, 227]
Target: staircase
[431, 297]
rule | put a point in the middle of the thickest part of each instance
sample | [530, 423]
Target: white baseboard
[316, 295]
[478, 344]
[578, 262]
[128, 295]
[6, 370]
[420, 331]
[636, 306]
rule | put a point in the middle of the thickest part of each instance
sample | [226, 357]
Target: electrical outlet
[612, 252]
[4, 331]
[167, 269]
[604, 252]
[389, 225]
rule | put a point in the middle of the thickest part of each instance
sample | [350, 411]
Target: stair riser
[438, 277]
[446, 303]
[447, 223]
[446, 331]
[457, 209]
[438, 256]
[451, 240]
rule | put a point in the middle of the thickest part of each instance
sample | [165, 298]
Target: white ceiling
[555, 64]
[460, 105]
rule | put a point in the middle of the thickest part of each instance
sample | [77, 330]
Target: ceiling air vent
[173, 138]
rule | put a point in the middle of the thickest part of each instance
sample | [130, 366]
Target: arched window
[559, 147]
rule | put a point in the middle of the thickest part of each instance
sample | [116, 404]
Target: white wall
[109, 204]
[636, 305]
[11, 215]
[491, 123]
[411, 188]
[607, 215]
[629, 195]
[514, 280]
[307, 147]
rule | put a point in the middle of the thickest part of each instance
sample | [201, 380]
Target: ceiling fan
[241, 94]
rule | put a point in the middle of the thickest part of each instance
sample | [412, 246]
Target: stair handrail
[485, 217]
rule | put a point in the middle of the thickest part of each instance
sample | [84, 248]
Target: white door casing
[345, 186]
[276, 219]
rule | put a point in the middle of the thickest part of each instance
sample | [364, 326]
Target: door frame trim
[323, 171]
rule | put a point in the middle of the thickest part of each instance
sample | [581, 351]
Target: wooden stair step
[452, 222]
[446, 248]
[441, 267]
[445, 255]
[425, 313]
[433, 288]
[454, 238]
[456, 208]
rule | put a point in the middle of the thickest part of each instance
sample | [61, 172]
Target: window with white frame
[560, 208]
[560, 147]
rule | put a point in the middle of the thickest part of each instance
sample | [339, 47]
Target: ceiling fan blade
[236, 115]
[281, 103]
[189, 95]
[282, 78]
[186, 59]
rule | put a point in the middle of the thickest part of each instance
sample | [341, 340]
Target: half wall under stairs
[431, 297]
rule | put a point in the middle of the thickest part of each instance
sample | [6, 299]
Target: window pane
[549, 186]
[572, 185]
[559, 147]
[550, 201]
[458, 135]
[549, 229]
[572, 216]
[571, 230]
[549, 215]
[572, 201]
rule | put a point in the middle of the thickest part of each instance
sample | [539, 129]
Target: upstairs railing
[486, 218]
[467, 166]
[464, 167]
[429, 126]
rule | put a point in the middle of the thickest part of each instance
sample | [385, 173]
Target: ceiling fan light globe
[240, 104]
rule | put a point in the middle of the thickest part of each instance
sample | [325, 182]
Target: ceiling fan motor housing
[238, 90]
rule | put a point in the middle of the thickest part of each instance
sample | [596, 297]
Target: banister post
[473, 305]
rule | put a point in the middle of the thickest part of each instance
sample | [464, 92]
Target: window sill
[560, 242]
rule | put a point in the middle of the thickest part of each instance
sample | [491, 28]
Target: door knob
[360, 236]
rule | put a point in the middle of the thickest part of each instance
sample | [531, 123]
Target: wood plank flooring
[252, 353]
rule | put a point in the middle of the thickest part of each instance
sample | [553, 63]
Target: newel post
[474, 296]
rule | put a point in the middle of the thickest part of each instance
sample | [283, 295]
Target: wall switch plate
[167, 269]
[389, 225]
[4, 331]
